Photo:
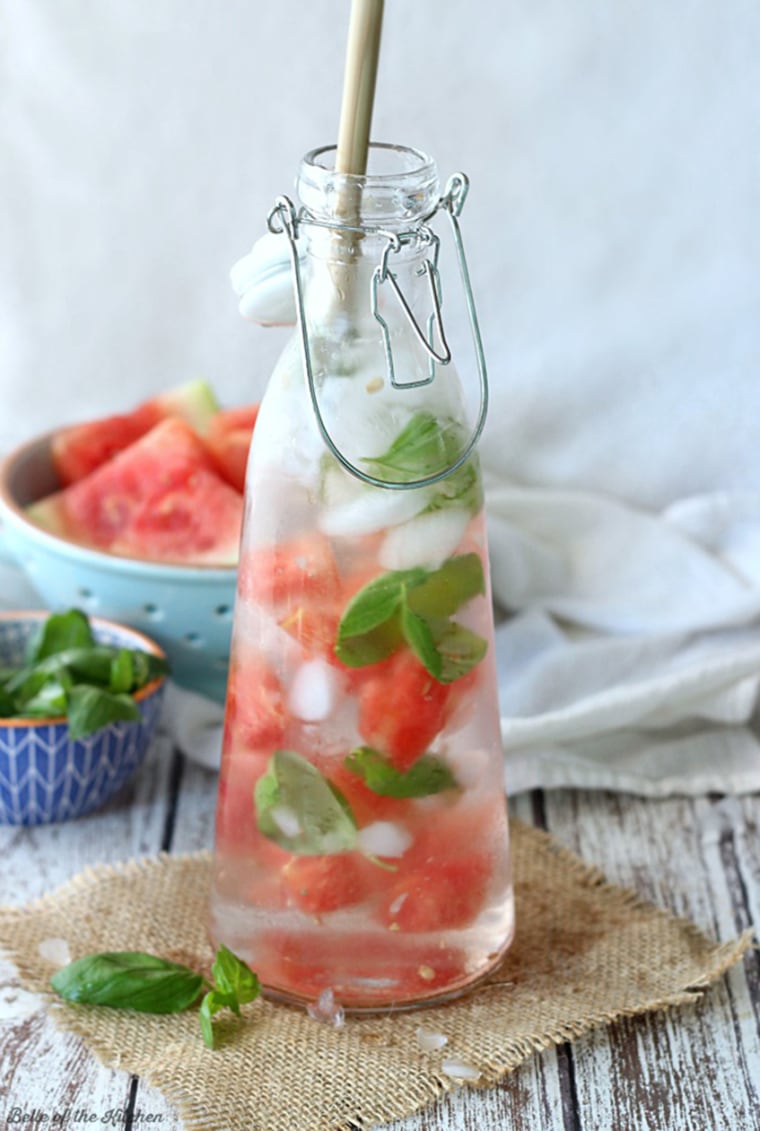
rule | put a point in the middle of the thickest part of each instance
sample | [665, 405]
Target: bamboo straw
[360, 75]
[362, 52]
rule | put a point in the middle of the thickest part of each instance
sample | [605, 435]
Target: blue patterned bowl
[46, 776]
[186, 609]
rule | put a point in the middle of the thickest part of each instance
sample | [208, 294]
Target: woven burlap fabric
[585, 953]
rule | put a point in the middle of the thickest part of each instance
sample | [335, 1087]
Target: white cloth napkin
[632, 658]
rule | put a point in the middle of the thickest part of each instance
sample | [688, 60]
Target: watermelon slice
[228, 438]
[79, 449]
[160, 499]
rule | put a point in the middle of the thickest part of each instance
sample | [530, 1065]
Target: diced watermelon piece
[78, 450]
[228, 438]
[160, 500]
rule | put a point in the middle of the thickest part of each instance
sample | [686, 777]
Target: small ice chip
[55, 951]
[286, 820]
[326, 1009]
[384, 838]
[429, 1040]
[458, 1070]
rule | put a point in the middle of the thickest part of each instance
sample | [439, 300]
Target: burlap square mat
[586, 952]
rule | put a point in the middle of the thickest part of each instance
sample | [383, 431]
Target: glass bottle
[361, 837]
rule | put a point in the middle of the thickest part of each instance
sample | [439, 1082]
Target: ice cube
[372, 509]
[313, 692]
[384, 838]
[427, 540]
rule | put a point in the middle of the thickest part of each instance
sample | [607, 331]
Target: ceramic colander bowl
[187, 610]
[45, 774]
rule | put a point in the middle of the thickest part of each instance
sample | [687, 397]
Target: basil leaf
[426, 446]
[447, 589]
[419, 637]
[377, 602]
[460, 650]
[128, 980]
[121, 674]
[61, 631]
[370, 647]
[90, 708]
[426, 776]
[50, 700]
[300, 810]
[7, 705]
[211, 1004]
[418, 450]
[234, 978]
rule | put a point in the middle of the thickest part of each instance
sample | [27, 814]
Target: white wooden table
[692, 1069]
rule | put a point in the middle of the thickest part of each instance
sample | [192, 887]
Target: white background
[614, 152]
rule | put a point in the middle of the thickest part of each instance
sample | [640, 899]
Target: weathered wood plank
[696, 1066]
[42, 1069]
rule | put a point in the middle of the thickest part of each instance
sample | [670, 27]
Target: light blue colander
[187, 610]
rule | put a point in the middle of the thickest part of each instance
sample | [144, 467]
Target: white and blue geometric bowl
[187, 609]
[45, 775]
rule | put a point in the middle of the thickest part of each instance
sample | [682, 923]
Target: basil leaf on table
[428, 775]
[134, 980]
[234, 978]
[300, 810]
[129, 980]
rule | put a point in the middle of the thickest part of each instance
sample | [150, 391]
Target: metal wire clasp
[283, 218]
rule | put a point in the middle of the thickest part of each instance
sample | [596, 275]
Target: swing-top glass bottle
[361, 841]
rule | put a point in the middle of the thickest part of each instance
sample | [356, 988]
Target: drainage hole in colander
[153, 612]
[194, 639]
[224, 612]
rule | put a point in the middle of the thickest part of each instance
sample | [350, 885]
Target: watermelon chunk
[228, 438]
[79, 449]
[160, 499]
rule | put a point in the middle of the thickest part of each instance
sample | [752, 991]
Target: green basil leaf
[7, 705]
[234, 978]
[128, 980]
[370, 647]
[424, 447]
[419, 450]
[426, 776]
[460, 649]
[419, 637]
[50, 700]
[447, 589]
[59, 632]
[121, 675]
[300, 810]
[377, 602]
[90, 708]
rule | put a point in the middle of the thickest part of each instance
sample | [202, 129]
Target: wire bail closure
[283, 219]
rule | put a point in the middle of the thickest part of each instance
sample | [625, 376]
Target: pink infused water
[361, 837]
[361, 842]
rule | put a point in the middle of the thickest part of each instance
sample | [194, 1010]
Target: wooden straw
[359, 79]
